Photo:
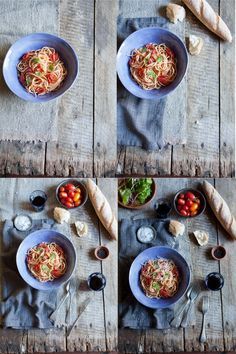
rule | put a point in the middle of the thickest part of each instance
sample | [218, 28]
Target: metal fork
[205, 308]
[52, 316]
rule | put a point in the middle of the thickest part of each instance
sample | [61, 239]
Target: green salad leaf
[135, 191]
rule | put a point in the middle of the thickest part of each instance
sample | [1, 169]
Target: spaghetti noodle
[41, 71]
[46, 261]
[153, 66]
[160, 278]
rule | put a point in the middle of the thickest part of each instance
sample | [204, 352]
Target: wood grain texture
[105, 151]
[227, 94]
[110, 268]
[209, 150]
[226, 187]
[221, 316]
[97, 327]
[72, 154]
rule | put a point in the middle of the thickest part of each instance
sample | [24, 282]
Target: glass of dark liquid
[214, 281]
[38, 200]
[96, 281]
[163, 208]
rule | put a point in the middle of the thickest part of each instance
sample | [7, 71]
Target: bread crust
[205, 13]
[220, 209]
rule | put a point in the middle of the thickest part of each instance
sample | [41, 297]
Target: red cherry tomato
[189, 202]
[77, 203]
[69, 200]
[61, 189]
[185, 207]
[193, 213]
[63, 201]
[179, 207]
[183, 212]
[62, 195]
[69, 187]
[69, 205]
[181, 196]
[181, 201]
[190, 195]
[71, 194]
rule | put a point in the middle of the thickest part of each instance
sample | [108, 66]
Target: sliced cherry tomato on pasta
[52, 78]
[163, 80]
[56, 273]
[54, 56]
[163, 293]
[169, 52]
[40, 90]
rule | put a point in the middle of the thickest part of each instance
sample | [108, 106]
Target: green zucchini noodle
[153, 66]
[159, 278]
[46, 261]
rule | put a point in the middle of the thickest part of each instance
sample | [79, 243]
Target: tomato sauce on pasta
[153, 66]
[41, 71]
[46, 261]
[160, 278]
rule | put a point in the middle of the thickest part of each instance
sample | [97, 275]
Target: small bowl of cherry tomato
[71, 194]
[189, 203]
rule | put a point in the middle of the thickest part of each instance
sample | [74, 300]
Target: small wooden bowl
[103, 249]
[143, 206]
[221, 250]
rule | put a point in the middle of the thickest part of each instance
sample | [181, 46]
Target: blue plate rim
[32, 98]
[169, 248]
[18, 259]
[160, 29]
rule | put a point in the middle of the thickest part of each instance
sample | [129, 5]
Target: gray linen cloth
[149, 123]
[23, 307]
[132, 314]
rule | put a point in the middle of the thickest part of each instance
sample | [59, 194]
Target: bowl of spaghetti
[46, 259]
[40, 67]
[159, 277]
[152, 62]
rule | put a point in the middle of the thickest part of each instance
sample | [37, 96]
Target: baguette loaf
[205, 13]
[220, 209]
[102, 209]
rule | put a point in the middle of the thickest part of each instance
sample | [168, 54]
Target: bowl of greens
[136, 193]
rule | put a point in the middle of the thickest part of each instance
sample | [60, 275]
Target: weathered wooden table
[97, 326]
[209, 150]
[85, 143]
[221, 317]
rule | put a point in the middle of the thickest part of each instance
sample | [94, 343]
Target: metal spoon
[177, 319]
[205, 308]
[192, 297]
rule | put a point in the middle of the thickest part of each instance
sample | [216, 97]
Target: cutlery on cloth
[52, 317]
[177, 319]
[81, 309]
[205, 308]
[192, 297]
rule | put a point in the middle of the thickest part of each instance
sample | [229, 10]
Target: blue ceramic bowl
[139, 39]
[34, 239]
[153, 253]
[32, 42]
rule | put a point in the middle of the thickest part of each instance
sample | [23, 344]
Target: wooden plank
[200, 156]
[90, 332]
[227, 187]
[24, 159]
[227, 94]
[201, 265]
[105, 151]
[109, 268]
[135, 161]
[72, 154]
